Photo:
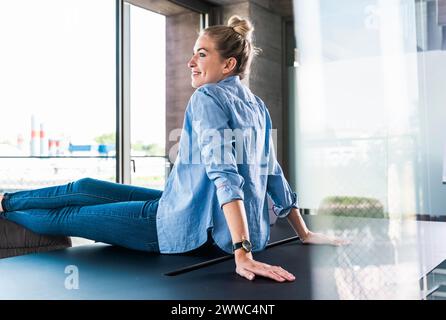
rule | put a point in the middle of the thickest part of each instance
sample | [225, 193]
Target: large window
[155, 92]
[369, 117]
[57, 84]
[147, 97]
[369, 104]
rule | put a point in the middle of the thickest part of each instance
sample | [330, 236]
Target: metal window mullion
[126, 143]
[123, 92]
[119, 91]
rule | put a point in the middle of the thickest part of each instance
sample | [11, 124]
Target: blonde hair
[234, 40]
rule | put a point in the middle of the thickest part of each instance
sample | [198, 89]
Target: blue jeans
[104, 211]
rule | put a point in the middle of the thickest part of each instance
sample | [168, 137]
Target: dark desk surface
[386, 260]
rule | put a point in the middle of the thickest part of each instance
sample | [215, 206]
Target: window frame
[210, 15]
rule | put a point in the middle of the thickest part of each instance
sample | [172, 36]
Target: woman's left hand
[319, 238]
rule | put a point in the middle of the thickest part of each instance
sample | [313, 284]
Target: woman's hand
[319, 238]
[248, 268]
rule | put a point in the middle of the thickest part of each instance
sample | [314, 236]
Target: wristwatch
[245, 245]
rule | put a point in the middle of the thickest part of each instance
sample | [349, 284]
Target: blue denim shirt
[226, 152]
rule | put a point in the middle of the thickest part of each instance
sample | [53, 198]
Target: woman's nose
[191, 63]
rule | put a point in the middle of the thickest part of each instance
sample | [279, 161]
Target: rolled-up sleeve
[278, 188]
[216, 149]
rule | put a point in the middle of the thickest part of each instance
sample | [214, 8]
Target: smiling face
[207, 65]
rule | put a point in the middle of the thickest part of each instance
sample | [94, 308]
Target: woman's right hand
[248, 268]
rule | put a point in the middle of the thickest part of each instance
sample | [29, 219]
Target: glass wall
[369, 103]
[147, 97]
[369, 118]
[57, 84]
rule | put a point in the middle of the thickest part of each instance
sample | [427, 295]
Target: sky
[58, 63]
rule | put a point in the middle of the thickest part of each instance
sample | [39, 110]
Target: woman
[217, 188]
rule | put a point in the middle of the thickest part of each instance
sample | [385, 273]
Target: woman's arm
[298, 224]
[307, 236]
[246, 266]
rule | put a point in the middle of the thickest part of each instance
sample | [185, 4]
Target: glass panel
[148, 97]
[369, 138]
[58, 92]
[359, 135]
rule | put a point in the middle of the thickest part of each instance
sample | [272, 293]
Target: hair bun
[241, 26]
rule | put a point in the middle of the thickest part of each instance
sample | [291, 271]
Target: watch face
[246, 245]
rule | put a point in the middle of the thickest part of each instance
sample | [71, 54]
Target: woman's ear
[230, 65]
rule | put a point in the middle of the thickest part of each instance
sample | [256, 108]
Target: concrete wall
[266, 72]
[181, 33]
[442, 12]
[241, 9]
[266, 75]
[433, 116]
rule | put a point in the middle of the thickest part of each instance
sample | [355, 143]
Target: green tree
[152, 149]
[106, 138]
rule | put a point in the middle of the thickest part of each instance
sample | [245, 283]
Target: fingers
[320, 238]
[273, 272]
[283, 273]
[337, 242]
[269, 273]
[341, 242]
[245, 273]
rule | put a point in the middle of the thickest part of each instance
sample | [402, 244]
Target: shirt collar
[231, 79]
